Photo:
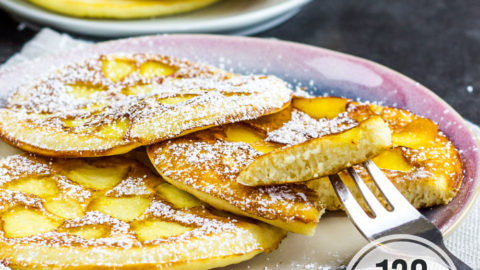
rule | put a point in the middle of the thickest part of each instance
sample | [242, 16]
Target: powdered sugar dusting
[190, 217]
[234, 156]
[14, 167]
[10, 198]
[130, 186]
[302, 127]
[98, 218]
[73, 190]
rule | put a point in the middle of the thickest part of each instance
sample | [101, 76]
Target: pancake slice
[315, 137]
[422, 163]
[317, 157]
[114, 213]
[121, 9]
[114, 103]
[206, 165]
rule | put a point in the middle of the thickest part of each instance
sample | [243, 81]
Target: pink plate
[320, 70]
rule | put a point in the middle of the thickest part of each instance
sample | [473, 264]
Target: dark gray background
[435, 42]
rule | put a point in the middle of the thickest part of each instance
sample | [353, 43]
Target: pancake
[206, 165]
[121, 9]
[423, 163]
[315, 137]
[420, 161]
[114, 213]
[113, 103]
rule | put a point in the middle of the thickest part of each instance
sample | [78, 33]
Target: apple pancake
[314, 137]
[423, 163]
[121, 9]
[114, 103]
[206, 165]
[114, 213]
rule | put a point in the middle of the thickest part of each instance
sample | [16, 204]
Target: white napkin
[464, 242]
[45, 42]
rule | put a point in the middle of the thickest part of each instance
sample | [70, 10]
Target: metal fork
[403, 219]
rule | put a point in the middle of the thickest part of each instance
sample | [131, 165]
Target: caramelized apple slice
[241, 133]
[23, 222]
[41, 186]
[152, 229]
[151, 69]
[89, 231]
[177, 197]
[393, 160]
[321, 107]
[420, 132]
[123, 208]
[97, 178]
[272, 122]
[264, 147]
[117, 69]
[115, 130]
[64, 207]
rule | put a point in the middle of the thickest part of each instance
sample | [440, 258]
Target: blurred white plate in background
[237, 17]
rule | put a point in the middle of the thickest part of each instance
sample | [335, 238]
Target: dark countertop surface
[436, 43]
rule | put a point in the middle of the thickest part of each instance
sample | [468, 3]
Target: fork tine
[375, 206]
[354, 210]
[394, 197]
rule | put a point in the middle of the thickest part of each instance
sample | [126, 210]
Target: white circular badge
[401, 252]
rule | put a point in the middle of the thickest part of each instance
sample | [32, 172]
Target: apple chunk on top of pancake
[423, 163]
[114, 213]
[113, 103]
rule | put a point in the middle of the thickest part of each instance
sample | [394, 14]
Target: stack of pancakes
[149, 161]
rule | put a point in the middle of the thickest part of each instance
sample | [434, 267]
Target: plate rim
[454, 226]
[94, 48]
